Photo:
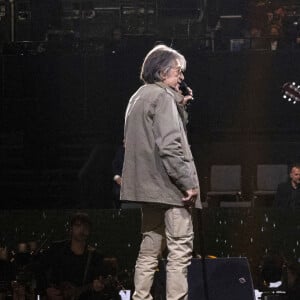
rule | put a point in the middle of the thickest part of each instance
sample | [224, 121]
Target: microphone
[183, 87]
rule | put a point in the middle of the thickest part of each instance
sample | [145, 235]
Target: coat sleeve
[170, 139]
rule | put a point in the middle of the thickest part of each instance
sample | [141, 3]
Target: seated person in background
[22, 285]
[288, 193]
[272, 273]
[293, 277]
[7, 272]
[74, 270]
[275, 37]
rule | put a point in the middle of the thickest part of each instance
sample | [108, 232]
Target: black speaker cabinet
[226, 278]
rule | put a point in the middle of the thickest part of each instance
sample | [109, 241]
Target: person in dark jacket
[74, 270]
[288, 193]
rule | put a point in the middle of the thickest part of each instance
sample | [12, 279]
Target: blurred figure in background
[7, 273]
[73, 268]
[293, 277]
[288, 193]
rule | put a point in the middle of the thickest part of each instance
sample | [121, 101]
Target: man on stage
[159, 172]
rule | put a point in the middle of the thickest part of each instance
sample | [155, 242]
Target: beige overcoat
[158, 163]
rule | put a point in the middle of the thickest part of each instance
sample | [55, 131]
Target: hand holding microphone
[186, 92]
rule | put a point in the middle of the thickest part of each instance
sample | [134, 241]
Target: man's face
[174, 76]
[80, 231]
[295, 175]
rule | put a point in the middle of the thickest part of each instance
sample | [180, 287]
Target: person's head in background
[295, 175]
[80, 227]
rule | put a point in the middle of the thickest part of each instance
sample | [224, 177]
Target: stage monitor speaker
[227, 279]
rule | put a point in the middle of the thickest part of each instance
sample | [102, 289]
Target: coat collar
[178, 97]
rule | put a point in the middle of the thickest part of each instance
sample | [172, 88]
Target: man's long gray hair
[158, 62]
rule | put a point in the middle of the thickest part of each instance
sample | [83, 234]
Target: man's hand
[186, 98]
[191, 195]
[118, 179]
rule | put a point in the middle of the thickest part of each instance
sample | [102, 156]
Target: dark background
[61, 112]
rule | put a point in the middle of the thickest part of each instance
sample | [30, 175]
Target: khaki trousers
[164, 226]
